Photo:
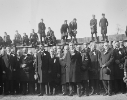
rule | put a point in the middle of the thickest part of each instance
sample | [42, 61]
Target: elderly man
[107, 68]
[103, 24]
[42, 68]
[73, 65]
[41, 30]
[93, 26]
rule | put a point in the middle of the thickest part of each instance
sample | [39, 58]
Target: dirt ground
[59, 97]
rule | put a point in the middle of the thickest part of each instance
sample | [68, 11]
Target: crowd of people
[66, 70]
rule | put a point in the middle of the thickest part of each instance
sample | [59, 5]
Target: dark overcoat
[119, 54]
[42, 66]
[107, 59]
[9, 66]
[26, 73]
[73, 67]
[54, 67]
[63, 69]
[85, 65]
[94, 64]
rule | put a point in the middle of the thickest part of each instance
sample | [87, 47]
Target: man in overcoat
[41, 30]
[85, 71]
[8, 64]
[54, 76]
[42, 68]
[94, 69]
[119, 57]
[73, 72]
[107, 68]
[26, 67]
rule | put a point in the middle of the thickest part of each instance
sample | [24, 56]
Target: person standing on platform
[6, 39]
[64, 31]
[103, 24]
[25, 40]
[17, 38]
[41, 31]
[93, 26]
[107, 68]
[73, 30]
[33, 38]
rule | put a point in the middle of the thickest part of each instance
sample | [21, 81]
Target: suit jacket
[64, 28]
[72, 27]
[93, 24]
[103, 22]
[41, 28]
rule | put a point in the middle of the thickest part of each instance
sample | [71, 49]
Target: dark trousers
[8, 87]
[24, 87]
[107, 86]
[44, 88]
[1, 86]
[40, 36]
[85, 87]
[31, 87]
[52, 87]
[94, 84]
[120, 86]
[92, 38]
[71, 88]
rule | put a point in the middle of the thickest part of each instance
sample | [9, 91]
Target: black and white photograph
[63, 49]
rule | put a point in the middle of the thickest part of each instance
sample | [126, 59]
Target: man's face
[93, 16]
[117, 45]
[71, 46]
[59, 51]
[49, 29]
[18, 53]
[8, 49]
[5, 33]
[42, 20]
[78, 48]
[25, 50]
[51, 51]
[74, 20]
[32, 31]
[66, 48]
[85, 45]
[41, 47]
[65, 22]
[103, 16]
[106, 46]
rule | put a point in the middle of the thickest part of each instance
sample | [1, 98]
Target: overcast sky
[23, 15]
